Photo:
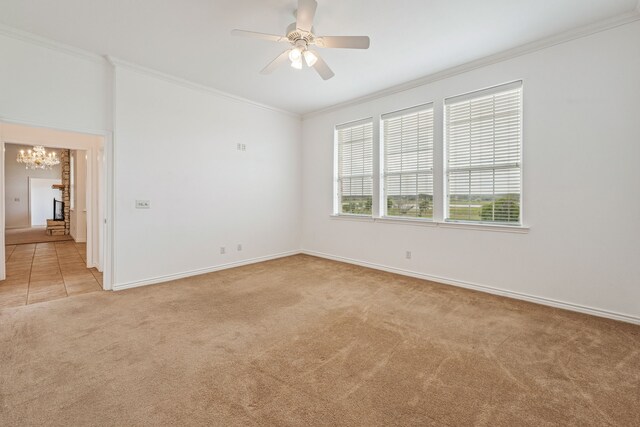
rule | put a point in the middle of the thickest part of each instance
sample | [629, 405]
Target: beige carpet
[305, 341]
[21, 236]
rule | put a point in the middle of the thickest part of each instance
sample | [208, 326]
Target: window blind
[483, 143]
[355, 167]
[408, 162]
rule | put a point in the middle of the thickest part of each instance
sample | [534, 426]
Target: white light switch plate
[143, 204]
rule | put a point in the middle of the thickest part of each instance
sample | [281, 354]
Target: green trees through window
[420, 206]
[357, 205]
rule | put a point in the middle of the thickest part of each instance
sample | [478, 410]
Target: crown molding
[560, 38]
[27, 37]
[541, 44]
[119, 63]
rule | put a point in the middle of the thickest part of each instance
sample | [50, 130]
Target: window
[407, 137]
[355, 168]
[483, 145]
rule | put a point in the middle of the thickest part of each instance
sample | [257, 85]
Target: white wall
[16, 186]
[49, 85]
[41, 195]
[176, 146]
[581, 178]
[54, 87]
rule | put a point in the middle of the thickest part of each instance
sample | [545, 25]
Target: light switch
[143, 204]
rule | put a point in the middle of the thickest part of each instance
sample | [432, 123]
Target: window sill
[407, 221]
[362, 218]
[517, 229]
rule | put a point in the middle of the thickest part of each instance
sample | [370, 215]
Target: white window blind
[408, 162]
[355, 167]
[483, 143]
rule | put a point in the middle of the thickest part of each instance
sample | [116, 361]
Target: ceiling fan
[300, 35]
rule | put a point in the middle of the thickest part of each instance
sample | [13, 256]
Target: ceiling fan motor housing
[294, 35]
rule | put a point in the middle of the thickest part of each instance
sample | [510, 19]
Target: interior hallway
[39, 272]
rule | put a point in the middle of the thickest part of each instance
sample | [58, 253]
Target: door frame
[99, 171]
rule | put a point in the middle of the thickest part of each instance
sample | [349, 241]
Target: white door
[41, 197]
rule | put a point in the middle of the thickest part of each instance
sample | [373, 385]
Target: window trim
[337, 202]
[439, 166]
[382, 164]
[491, 90]
[497, 228]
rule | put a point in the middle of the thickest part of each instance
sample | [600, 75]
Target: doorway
[48, 257]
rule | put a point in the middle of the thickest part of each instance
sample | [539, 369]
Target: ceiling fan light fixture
[297, 64]
[295, 55]
[310, 58]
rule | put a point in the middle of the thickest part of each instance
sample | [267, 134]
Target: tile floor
[39, 272]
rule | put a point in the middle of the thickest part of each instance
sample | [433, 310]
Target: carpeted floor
[21, 236]
[306, 341]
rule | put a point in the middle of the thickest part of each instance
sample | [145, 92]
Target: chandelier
[38, 158]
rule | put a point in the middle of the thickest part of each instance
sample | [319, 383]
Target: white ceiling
[409, 38]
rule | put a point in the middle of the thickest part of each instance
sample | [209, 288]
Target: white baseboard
[483, 288]
[176, 276]
[462, 284]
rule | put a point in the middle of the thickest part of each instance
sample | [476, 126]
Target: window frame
[382, 144]
[337, 179]
[439, 171]
[492, 90]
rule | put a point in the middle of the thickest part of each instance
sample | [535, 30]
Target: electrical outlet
[239, 247]
[408, 255]
[143, 204]
[223, 250]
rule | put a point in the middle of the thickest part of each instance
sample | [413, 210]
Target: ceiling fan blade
[254, 35]
[276, 62]
[344, 42]
[322, 68]
[304, 15]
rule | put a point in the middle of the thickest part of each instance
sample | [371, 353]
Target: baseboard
[483, 288]
[169, 277]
